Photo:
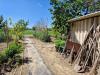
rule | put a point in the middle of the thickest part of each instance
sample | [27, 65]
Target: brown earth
[54, 61]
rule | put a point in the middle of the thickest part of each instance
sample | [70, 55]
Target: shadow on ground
[8, 67]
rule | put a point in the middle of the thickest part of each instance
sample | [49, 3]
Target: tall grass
[28, 32]
[42, 35]
[2, 36]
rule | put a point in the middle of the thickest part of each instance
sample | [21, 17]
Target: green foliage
[4, 30]
[1, 21]
[59, 45]
[2, 36]
[54, 33]
[28, 32]
[22, 24]
[42, 36]
[19, 28]
[33, 28]
[46, 37]
[63, 10]
[3, 58]
[91, 5]
[40, 31]
[13, 50]
[9, 54]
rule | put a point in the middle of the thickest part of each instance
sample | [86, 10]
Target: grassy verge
[28, 32]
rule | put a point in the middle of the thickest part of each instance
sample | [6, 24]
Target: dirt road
[55, 62]
[43, 60]
[34, 64]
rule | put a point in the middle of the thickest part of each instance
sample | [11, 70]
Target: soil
[43, 60]
[54, 61]
[33, 64]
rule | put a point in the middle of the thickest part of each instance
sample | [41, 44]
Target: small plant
[3, 58]
[46, 38]
[10, 57]
[59, 44]
[19, 29]
[13, 50]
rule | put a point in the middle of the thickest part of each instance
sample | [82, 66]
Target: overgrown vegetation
[10, 57]
[63, 10]
[40, 31]
[59, 44]
[18, 29]
[44, 36]
[10, 53]
[28, 32]
[2, 36]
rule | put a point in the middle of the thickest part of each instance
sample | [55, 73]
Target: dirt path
[34, 65]
[55, 62]
[43, 60]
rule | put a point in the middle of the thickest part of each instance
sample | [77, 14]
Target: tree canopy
[1, 21]
[63, 10]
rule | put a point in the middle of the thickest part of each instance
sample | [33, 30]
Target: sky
[32, 10]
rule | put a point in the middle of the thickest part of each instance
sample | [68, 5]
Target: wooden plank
[80, 32]
[92, 72]
[85, 31]
[99, 20]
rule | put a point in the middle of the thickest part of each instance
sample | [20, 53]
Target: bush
[42, 36]
[10, 53]
[59, 44]
[28, 32]
[3, 58]
[13, 50]
[2, 37]
[46, 38]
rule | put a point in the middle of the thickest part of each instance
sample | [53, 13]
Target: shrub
[59, 44]
[42, 36]
[13, 50]
[3, 58]
[46, 38]
[11, 54]
[3, 37]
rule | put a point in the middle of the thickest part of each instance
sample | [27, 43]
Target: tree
[63, 10]
[40, 31]
[22, 23]
[1, 21]
[4, 28]
[19, 28]
[6, 31]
